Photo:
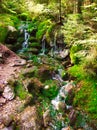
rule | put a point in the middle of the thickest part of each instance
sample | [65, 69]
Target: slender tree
[79, 6]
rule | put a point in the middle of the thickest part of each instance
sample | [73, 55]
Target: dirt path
[9, 65]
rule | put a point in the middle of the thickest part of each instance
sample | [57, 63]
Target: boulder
[29, 119]
[8, 93]
[33, 85]
[11, 37]
[19, 62]
[44, 72]
[29, 72]
[63, 54]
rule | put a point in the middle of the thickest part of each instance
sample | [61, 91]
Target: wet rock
[2, 101]
[29, 119]
[46, 118]
[69, 90]
[58, 105]
[72, 117]
[69, 87]
[63, 54]
[8, 93]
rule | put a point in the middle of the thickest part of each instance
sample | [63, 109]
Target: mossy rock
[5, 21]
[29, 72]
[42, 28]
[77, 53]
[32, 39]
[23, 16]
[33, 50]
[44, 73]
[34, 44]
[3, 33]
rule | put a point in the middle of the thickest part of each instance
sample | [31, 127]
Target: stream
[58, 113]
[63, 116]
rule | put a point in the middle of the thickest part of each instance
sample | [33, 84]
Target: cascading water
[26, 38]
[61, 97]
[43, 45]
[60, 101]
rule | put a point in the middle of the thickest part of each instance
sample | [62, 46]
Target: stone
[28, 119]
[11, 28]
[72, 117]
[11, 35]
[9, 111]
[8, 93]
[33, 85]
[58, 105]
[69, 87]
[63, 54]
[46, 118]
[19, 62]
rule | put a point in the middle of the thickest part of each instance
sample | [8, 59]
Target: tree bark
[79, 6]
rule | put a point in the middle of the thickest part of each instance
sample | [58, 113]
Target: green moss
[86, 94]
[20, 91]
[42, 28]
[51, 91]
[35, 44]
[86, 98]
[3, 33]
[77, 72]
[5, 20]
[76, 58]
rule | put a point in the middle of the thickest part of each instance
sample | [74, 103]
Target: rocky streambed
[37, 94]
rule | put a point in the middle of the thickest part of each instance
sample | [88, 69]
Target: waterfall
[61, 97]
[26, 38]
[43, 45]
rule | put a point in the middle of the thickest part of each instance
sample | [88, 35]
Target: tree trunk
[79, 6]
